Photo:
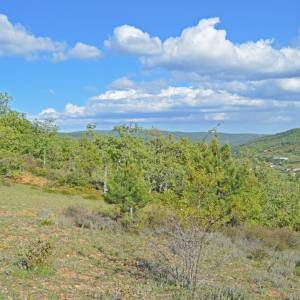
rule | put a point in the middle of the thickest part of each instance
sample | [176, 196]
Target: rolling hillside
[282, 149]
[231, 138]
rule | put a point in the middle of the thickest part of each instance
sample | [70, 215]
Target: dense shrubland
[199, 180]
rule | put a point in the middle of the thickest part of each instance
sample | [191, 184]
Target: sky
[174, 65]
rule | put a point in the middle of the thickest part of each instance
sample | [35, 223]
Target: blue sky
[176, 65]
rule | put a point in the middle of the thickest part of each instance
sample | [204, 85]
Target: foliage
[103, 264]
[134, 168]
[36, 255]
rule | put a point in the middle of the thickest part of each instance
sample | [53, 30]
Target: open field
[109, 263]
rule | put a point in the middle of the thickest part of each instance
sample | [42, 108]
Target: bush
[155, 216]
[91, 220]
[278, 238]
[9, 163]
[186, 256]
[36, 255]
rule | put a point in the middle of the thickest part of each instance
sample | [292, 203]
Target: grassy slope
[93, 264]
[80, 270]
[282, 144]
[233, 139]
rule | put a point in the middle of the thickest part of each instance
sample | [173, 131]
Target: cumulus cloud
[205, 49]
[15, 40]
[167, 99]
[74, 110]
[130, 39]
[281, 90]
[84, 51]
[177, 103]
[48, 113]
[174, 106]
[122, 83]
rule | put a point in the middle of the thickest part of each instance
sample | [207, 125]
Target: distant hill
[231, 138]
[281, 149]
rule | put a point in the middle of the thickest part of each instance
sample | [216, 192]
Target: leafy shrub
[36, 255]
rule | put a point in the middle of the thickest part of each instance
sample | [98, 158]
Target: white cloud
[15, 40]
[122, 83]
[178, 100]
[281, 90]
[206, 50]
[84, 51]
[49, 113]
[171, 98]
[74, 110]
[133, 40]
[290, 84]
[176, 105]
[216, 117]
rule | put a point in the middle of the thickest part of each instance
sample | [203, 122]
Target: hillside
[233, 139]
[282, 149]
[56, 246]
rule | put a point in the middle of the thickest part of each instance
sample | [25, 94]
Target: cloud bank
[15, 40]
[206, 50]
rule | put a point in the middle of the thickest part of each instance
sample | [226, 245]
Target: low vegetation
[135, 216]
[61, 259]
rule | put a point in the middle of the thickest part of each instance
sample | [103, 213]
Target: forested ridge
[234, 139]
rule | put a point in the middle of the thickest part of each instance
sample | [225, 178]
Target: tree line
[138, 167]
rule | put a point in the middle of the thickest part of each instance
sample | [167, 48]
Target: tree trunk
[44, 158]
[105, 188]
[131, 214]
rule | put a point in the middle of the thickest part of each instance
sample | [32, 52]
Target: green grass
[101, 264]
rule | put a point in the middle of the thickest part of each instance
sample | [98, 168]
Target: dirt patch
[32, 180]
[276, 294]
[19, 213]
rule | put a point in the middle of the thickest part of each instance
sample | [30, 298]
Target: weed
[36, 255]
[212, 293]
[46, 222]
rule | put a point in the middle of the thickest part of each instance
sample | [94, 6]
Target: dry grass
[95, 262]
